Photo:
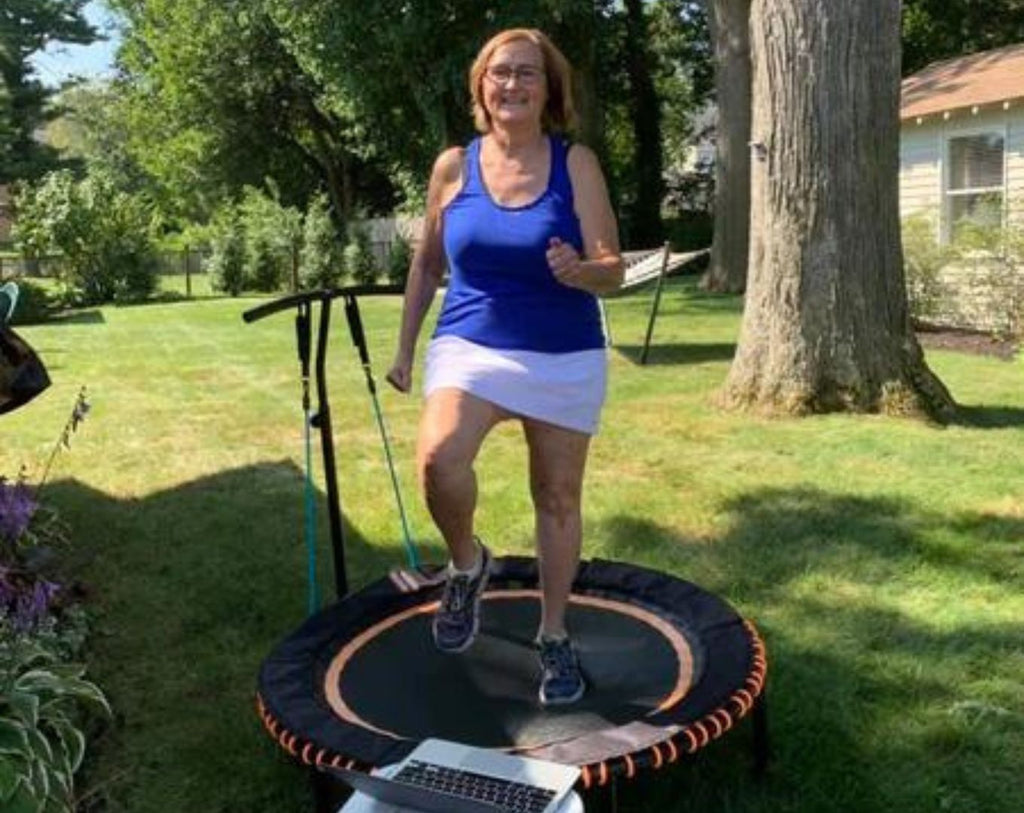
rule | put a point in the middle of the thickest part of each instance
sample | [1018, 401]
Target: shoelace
[455, 591]
[557, 657]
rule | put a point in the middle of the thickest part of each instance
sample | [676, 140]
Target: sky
[59, 62]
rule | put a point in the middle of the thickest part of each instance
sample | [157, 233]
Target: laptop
[447, 777]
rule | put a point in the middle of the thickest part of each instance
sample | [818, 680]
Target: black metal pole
[655, 304]
[323, 423]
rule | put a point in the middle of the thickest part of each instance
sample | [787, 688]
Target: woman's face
[514, 84]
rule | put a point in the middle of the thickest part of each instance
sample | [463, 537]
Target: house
[962, 157]
[962, 138]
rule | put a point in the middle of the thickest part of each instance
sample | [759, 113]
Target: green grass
[882, 559]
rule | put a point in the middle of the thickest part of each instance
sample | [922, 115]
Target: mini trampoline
[670, 667]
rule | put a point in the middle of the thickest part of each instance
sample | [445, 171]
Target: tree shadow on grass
[675, 354]
[189, 590]
[88, 316]
[876, 703]
[989, 417]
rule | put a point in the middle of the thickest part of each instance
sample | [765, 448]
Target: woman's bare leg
[557, 460]
[452, 428]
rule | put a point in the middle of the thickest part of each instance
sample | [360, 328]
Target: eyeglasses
[524, 74]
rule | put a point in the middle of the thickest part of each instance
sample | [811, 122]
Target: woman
[524, 223]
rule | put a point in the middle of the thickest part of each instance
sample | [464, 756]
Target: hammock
[643, 268]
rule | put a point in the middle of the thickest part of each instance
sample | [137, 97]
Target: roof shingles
[978, 79]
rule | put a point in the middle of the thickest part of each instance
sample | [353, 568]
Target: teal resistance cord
[410, 547]
[355, 325]
[302, 332]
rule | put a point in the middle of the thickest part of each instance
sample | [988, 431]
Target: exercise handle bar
[322, 419]
[319, 295]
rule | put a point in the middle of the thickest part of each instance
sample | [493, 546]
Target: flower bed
[45, 700]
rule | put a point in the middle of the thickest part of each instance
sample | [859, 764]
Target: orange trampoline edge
[696, 735]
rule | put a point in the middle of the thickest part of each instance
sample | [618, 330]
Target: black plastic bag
[22, 374]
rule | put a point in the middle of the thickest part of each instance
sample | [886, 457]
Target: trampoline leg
[603, 799]
[328, 794]
[762, 747]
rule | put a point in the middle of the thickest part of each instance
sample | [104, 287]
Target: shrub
[227, 260]
[266, 266]
[360, 265]
[34, 304]
[399, 258]
[923, 258]
[320, 263]
[272, 235]
[997, 254]
[104, 234]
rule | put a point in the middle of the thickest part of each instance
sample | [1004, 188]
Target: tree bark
[730, 32]
[826, 325]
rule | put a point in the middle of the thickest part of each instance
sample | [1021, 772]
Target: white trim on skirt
[565, 389]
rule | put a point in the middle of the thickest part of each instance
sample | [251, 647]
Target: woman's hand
[564, 262]
[400, 374]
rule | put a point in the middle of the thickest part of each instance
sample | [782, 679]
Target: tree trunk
[645, 226]
[730, 33]
[826, 325]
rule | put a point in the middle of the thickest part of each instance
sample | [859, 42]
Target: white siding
[920, 165]
[1015, 163]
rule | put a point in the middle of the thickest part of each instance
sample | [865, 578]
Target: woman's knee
[441, 460]
[558, 498]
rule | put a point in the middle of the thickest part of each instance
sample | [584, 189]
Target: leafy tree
[27, 26]
[93, 131]
[939, 29]
[645, 215]
[218, 101]
[681, 48]
[826, 324]
[398, 67]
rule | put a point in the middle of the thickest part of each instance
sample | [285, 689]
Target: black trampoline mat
[393, 679]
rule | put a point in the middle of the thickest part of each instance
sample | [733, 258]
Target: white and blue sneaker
[458, 617]
[561, 680]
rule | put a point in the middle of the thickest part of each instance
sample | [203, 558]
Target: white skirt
[565, 389]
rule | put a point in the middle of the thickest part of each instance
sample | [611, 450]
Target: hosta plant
[42, 702]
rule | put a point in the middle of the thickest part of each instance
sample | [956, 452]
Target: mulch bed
[966, 341]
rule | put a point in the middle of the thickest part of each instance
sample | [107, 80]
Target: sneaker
[458, 617]
[561, 680]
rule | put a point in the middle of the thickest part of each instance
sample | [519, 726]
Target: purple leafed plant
[25, 601]
[17, 506]
[27, 530]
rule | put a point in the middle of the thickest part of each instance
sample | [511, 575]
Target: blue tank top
[501, 292]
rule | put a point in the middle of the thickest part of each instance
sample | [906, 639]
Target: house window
[974, 181]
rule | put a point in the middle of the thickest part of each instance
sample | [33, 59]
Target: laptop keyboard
[504, 794]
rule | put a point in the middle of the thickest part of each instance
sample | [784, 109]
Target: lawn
[882, 559]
